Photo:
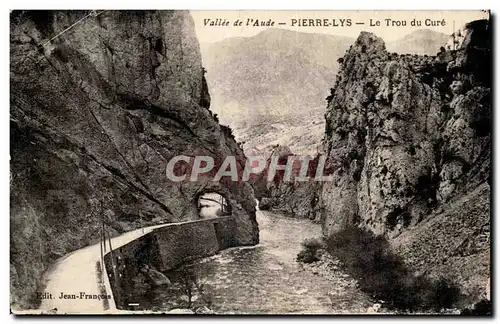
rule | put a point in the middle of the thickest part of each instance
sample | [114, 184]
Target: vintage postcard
[250, 162]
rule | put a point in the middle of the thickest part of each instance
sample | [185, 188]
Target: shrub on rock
[310, 251]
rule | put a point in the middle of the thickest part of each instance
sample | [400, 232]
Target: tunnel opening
[212, 205]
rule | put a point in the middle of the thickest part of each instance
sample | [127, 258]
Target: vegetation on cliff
[383, 275]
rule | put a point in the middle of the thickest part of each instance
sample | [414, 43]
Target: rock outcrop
[100, 102]
[296, 199]
[293, 198]
[409, 139]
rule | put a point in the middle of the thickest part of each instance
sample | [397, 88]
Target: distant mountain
[274, 73]
[271, 88]
[301, 132]
[423, 41]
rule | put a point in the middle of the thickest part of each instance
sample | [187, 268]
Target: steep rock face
[297, 199]
[403, 136]
[294, 198]
[96, 114]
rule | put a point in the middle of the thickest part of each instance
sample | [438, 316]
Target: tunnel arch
[212, 204]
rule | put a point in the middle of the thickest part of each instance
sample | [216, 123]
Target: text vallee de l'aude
[323, 22]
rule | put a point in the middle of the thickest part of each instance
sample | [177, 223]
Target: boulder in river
[155, 277]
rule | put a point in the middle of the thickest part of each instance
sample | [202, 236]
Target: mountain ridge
[422, 41]
[279, 74]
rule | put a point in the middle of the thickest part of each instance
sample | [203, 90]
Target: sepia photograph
[251, 162]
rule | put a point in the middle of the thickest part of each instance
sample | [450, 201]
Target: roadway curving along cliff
[409, 139]
[96, 113]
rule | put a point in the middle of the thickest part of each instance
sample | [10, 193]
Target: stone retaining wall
[166, 248]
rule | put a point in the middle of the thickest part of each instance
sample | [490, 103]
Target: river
[264, 279]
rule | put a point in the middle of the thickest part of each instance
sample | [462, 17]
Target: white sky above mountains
[455, 19]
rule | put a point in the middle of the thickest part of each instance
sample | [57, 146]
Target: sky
[454, 20]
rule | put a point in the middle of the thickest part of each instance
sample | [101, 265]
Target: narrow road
[76, 272]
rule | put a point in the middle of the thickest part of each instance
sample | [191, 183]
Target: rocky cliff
[277, 72]
[100, 102]
[292, 198]
[409, 139]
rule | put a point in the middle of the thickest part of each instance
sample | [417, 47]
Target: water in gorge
[264, 279]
